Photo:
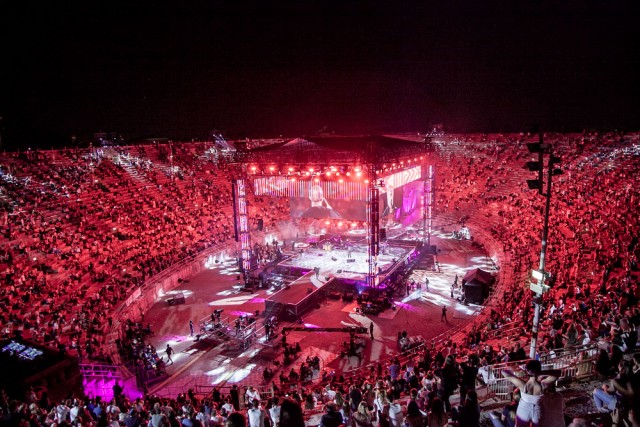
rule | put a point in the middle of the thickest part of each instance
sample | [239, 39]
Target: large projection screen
[315, 198]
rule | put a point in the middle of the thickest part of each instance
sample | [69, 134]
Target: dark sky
[182, 68]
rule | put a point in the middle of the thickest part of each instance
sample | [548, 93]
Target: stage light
[290, 169]
[340, 224]
[358, 174]
[327, 222]
[310, 169]
[253, 168]
[353, 224]
[328, 173]
[337, 173]
[366, 181]
[271, 168]
[306, 173]
[341, 180]
[348, 173]
[357, 169]
[316, 180]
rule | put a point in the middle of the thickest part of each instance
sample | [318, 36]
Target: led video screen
[335, 199]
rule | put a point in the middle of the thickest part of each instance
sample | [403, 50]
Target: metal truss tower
[241, 225]
[428, 198]
[373, 229]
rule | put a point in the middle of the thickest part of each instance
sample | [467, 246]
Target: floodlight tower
[540, 275]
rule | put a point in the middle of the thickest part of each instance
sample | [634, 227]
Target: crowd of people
[82, 229]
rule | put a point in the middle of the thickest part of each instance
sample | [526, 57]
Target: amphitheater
[98, 242]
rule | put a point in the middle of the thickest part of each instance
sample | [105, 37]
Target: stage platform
[336, 263]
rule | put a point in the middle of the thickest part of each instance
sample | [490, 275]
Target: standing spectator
[331, 418]
[443, 317]
[235, 397]
[396, 412]
[274, 411]
[191, 326]
[531, 391]
[449, 375]
[227, 408]
[255, 414]
[133, 419]
[415, 417]
[355, 397]
[251, 396]
[158, 418]
[437, 417]
[469, 413]
[469, 374]
[62, 412]
[362, 417]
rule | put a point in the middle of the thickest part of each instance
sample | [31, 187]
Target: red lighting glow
[271, 168]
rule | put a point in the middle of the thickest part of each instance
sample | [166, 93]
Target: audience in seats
[83, 228]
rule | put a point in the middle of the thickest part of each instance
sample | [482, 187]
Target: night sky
[257, 69]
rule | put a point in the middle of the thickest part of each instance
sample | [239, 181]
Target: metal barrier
[574, 363]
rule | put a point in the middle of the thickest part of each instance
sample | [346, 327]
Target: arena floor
[207, 363]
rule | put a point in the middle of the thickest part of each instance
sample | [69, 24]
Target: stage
[337, 264]
[328, 269]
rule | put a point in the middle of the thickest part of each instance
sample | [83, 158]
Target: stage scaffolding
[304, 160]
[241, 225]
[373, 230]
[428, 191]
